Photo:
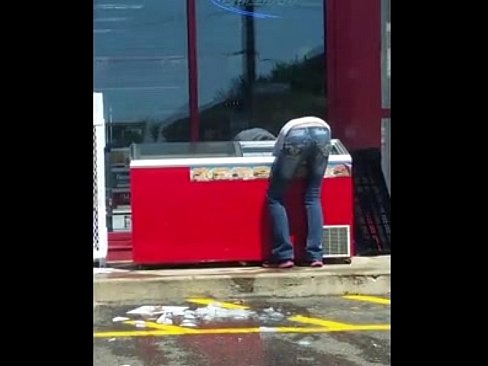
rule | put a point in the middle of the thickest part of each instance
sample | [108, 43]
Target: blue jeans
[310, 146]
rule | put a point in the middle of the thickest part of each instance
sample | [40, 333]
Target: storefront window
[260, 63]
[141, 68]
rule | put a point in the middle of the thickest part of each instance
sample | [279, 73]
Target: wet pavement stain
[244, 285]
[372, 349]
[261, 314]
[281, 352]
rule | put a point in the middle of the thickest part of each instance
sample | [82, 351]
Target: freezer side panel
[179, 221]
[337, 207]
[176, 220]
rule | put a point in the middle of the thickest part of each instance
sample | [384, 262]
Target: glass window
[141, 68]
[260, 63]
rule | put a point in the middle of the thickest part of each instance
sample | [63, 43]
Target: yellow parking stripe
[319, 322]
[159, 333]
[208, 301]
[316, 325]
[373, 299]
[348, 328]
[174, 329]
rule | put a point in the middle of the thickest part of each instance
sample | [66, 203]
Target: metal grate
[337, 241]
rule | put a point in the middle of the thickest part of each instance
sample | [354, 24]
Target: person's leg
[317, 161]
[282, 173]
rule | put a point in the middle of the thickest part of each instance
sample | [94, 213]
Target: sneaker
[281, 265]
[316, 264]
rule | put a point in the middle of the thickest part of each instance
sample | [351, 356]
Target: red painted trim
[192, 69]
[331, 56]
[354, 72]
[119, 236]
[330, 53]
[119, 246]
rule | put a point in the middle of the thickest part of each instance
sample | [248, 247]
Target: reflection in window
[257, 71]
[141, 68]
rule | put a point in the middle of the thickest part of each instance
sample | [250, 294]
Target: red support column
[192, 69]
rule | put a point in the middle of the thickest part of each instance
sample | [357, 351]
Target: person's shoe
[280, 265]
[316, 264]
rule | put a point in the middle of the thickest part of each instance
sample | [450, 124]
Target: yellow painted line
[319, 322]
[208, 301]
[159, 333]
[366, 327]
[350, 328]
[373, 299]
[132, 333]
[318, 325]
[229, 330]
[173, 329]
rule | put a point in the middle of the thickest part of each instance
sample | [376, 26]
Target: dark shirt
[254, 134]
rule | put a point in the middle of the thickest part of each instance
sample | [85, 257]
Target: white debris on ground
[166, 318]
[150, 310]
[212, 313]
[107, 270]
[271, 314]
[120, 319]
[267, 330]
[140, 323]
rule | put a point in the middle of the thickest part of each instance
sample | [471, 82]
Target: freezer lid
[213, 149]
[338, 148]
[265, 148]
[216, 153]
[256, 148]
[182, 150]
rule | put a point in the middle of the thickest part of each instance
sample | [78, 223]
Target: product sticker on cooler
[207, 174]
[210, 174]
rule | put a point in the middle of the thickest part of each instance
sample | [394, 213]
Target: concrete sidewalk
[365, 275]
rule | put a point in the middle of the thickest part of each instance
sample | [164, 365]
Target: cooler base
[119, 246]
[337, 239]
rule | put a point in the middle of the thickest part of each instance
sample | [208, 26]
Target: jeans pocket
[325, 149]
[323, 143]
[291, 149]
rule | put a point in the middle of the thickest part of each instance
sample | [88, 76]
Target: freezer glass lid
[265, 148]
[174, 150]
[256, 148]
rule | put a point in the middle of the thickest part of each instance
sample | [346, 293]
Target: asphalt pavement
[320, 330]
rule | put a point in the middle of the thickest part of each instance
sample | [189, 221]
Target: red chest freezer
[206, 202]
